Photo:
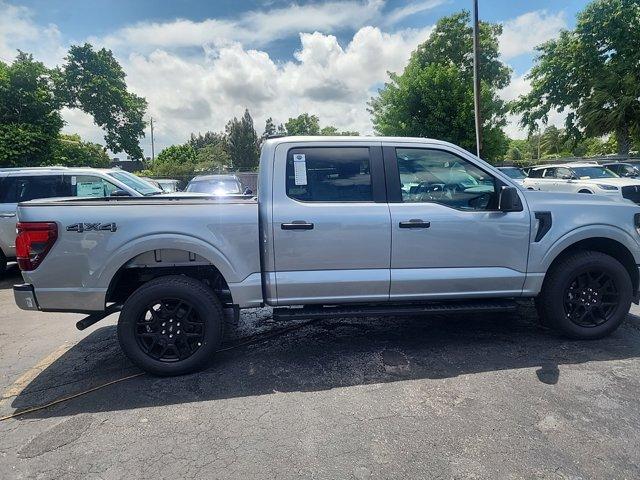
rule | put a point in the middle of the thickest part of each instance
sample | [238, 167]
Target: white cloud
[523, 33]
[194, 94]
[410, 9]
[19, 31]
[251, 28]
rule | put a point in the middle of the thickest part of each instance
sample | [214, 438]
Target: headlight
[606, 187]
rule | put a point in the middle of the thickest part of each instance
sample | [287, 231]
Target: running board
[394, 309]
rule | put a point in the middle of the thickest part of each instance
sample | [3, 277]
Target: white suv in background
[588, 178]
[22, 184]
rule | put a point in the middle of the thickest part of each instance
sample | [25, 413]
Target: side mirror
[119, 193]
[509, 200]
[248, 191]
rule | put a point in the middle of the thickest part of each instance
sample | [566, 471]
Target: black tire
[3, 263]
[586, 296]
[171, 325]
[585, 192]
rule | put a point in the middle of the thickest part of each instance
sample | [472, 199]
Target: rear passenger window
[326, 174]
[21, 189]
[536, 173]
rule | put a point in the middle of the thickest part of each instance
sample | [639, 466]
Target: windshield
[594, 172]
[139, 185]
[214, 186]
[513, 172]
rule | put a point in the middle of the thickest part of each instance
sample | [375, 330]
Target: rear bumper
[25, 297]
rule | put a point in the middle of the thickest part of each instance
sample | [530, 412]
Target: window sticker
[74, 180]
[90, 189]
[300, 168]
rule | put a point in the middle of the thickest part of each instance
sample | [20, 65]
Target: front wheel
[586, 296]
[171, 325]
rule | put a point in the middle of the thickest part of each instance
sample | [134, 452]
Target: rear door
[448, 238]
[331, 224]
[20, 188]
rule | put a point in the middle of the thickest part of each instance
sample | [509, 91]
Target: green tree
[303, 124]
[433, 97]
[213, 158]
[269, 129]
[174, 161]
[593, 72]
[71, 151]
[242, 141]
[29, 113]
[95, 82]
[333, 131]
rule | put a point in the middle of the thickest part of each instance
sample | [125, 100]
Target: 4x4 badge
[88, 227]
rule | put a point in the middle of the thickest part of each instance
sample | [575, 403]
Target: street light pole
[153, 152]
[476, 77]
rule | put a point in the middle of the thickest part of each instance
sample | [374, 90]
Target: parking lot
[439, 397]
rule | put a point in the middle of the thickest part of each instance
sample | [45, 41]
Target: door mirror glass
[509, 200]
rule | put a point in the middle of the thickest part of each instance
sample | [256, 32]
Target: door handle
[415, 223]
[7, 215]
[297, 225]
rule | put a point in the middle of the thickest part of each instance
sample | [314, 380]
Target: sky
[199, 63]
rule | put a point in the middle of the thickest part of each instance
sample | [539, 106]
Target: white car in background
[588, 178]
[515, 173]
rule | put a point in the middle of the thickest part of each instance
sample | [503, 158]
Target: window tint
[549, 173]
[442, 177]
[329, 174]
[21, 189]
[536, 173]
[88, 186]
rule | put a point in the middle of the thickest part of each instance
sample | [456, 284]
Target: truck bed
[97, 237]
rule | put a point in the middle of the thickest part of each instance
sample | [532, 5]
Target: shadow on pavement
[10, 277]
[325, 355]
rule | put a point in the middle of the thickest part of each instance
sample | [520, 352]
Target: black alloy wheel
[170, 330]
[591, 298]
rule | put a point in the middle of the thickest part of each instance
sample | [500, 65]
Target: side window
[328, 174]
[88, 186]
[441, 177]
[536, 173]
[549, 173]
[563, 173]
[21, 189]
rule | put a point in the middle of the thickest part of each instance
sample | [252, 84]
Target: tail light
[33, 242]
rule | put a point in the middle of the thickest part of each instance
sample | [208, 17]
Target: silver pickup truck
[342, 226]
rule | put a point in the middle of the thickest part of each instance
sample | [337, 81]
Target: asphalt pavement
[476, 396]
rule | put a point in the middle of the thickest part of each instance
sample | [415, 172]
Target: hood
[617, 182]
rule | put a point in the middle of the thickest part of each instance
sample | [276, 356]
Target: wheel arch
[149, 257]
[608, 246]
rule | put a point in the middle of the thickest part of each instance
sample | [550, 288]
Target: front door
[331, 224]
[448, 238]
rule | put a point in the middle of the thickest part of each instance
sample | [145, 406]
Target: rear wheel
[586, 296]
[3, 263]
[171, 326]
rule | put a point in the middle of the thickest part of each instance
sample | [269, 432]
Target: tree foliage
[593, 72]
[242, 143]
[32, 96]
[71, 151]
[95, 82]
[433, 96]
[29, 113]
[303, 124]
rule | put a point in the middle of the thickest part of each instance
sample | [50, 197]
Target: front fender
[549, 253]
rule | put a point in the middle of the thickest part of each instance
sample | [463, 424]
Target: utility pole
[476, 77]
[153, 151]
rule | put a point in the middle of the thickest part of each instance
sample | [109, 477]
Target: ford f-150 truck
[342, 226]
